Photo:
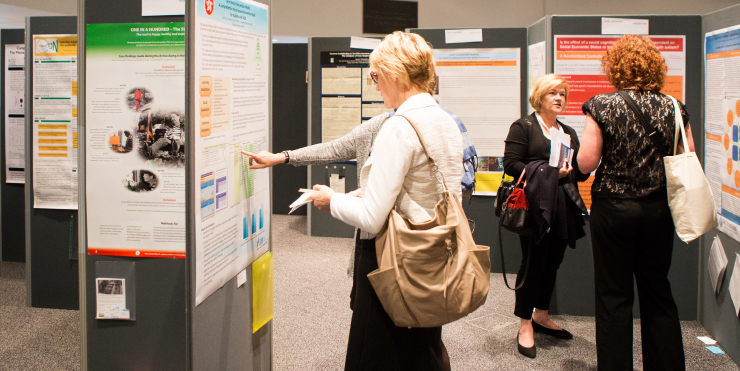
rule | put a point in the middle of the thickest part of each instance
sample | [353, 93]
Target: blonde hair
[542, 86]
[407, 57]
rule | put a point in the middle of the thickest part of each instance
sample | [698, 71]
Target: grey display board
[289, 120]
[321, 223]
[157, 340]
[12, 224]
[219, 329]
[51, 235]
[716, 312]
[481, 208]
[574, 291]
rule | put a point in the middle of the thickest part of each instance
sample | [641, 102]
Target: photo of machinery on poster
[722, 124]
[134, 139]
[231, 109]
[54, 121]
[482, 87]
[15, 122]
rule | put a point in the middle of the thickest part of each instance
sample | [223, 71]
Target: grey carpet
[34, 338]
[312, 318]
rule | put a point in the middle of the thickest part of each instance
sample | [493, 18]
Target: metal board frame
[576, 271]
[51, 269]
[716, 312]
[158, 338]
[321, 223]
[220, 328]
[12, 196]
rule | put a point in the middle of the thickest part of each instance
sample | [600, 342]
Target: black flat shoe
[530, 352]
[560, 334]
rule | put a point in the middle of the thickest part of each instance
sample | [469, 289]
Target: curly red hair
[635, 61]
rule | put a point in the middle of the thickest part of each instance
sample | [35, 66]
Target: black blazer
[526, 143]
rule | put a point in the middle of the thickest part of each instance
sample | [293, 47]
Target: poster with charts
[231, 114]
[721, 125]
[15, 122]
[54, 121]
[134, 142]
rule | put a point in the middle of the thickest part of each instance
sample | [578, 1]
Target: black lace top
[631, 166]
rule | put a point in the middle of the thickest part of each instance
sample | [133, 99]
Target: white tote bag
[689, 195]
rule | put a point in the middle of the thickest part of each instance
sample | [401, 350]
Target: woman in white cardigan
[397, 174]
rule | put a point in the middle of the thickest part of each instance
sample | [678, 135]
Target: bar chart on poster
[232, 85]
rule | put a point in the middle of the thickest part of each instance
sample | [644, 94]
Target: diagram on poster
[54, 121]
[482, 87]
[232, 225]
[15, 145]
[135, 147]
[722, 123]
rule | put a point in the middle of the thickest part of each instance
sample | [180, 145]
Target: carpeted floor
[312, 318]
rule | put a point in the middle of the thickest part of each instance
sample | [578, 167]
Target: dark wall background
[289, 122]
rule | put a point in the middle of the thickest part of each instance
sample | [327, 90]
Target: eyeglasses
[374, 76]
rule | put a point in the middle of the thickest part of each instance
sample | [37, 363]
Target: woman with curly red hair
[631, 224]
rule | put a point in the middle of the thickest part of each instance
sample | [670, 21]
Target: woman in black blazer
[529, 141]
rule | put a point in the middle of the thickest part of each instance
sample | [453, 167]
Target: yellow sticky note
[262, 291]
[487, 182]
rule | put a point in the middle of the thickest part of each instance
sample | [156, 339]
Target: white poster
[483, 88]
[232, 68]
[162, 7]
[537, 55]
[135, 143]
[15, 148]
[721, 125]
[54, 121]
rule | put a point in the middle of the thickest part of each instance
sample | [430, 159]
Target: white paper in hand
[304, 199]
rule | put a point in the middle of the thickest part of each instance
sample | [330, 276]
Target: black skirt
[375, 343]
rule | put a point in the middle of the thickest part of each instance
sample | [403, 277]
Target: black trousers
[375, 343]
[540, 281]
[634, 238]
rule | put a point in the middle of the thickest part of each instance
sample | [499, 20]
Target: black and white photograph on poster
[140, 181]
[138, 99]
[111, 299]
[121, 141]
[161, 138]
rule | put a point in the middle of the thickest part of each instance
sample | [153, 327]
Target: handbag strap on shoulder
[435, 168]
[643, 121]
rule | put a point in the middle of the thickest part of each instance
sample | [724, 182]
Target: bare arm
[592, 143]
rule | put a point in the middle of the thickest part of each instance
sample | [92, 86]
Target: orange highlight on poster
[713, 56]
[673, 87]
[477, 64]
[729, 166]
[583, 56]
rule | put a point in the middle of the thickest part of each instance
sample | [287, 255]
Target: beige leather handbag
[430, 273]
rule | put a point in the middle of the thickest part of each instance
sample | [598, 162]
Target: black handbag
[515, 217]
[504, 191]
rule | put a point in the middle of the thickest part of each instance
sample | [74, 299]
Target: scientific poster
[54, 121]
[722, 123]
[578, 60]
[348, 95]
[135, 143]
[537, 55]
[482, 87]
[15, 147]
[232, 69]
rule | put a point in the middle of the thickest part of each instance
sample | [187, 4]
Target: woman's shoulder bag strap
[643, 121]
